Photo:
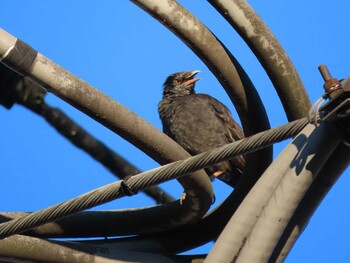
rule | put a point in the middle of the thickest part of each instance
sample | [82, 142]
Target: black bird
[199, 122]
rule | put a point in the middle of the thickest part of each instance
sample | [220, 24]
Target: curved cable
[265, 46]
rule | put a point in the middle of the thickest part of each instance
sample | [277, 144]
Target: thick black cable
[15, 88]
[155, 176]
[95, 148]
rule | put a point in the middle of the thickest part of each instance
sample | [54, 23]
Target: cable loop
[314, 112]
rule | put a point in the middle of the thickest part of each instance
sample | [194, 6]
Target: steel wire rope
[161, 174]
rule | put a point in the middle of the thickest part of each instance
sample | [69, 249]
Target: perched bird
[199, 122]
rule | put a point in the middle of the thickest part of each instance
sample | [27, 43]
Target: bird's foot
[183, 197]
[218, 173]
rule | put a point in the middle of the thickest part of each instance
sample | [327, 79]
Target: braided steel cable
[158, 175]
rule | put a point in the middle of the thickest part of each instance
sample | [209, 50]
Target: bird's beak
[190, 79]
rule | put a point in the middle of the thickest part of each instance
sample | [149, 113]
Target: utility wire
[152, 177]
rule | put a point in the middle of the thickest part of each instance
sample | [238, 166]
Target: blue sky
[118, 48]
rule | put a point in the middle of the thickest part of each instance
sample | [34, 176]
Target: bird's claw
[218, 173]
[183, 197]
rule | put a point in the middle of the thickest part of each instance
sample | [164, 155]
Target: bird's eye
[177, 82]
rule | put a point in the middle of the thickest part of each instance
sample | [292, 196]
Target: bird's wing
[233, 131]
